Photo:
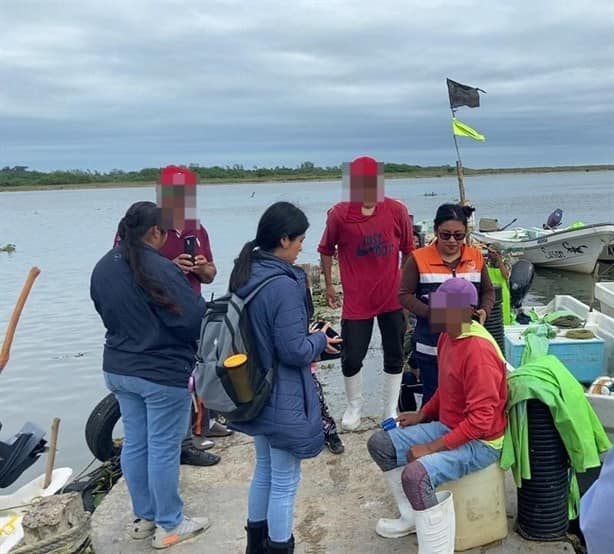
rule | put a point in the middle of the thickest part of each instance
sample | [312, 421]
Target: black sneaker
[334, 444]
[192, 456]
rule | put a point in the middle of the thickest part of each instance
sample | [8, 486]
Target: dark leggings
[356, 335]
[328, 423]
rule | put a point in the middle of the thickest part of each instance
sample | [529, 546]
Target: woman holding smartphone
[289, 428]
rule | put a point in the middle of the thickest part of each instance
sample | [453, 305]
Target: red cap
[174, 175]
[363, 166]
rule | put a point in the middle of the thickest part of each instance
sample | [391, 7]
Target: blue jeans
[448, 465]
[274, 485]
[155, 419]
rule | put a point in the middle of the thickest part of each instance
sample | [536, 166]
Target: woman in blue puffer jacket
[289, 428]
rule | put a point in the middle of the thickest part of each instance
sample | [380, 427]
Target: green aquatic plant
[9, 247]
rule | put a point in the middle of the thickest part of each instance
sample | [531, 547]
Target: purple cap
[454, 293]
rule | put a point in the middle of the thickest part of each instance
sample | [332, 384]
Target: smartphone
[189, 246]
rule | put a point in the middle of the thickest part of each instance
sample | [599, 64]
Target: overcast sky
[144, 83]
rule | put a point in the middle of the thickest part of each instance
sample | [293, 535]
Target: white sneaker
[188, 528]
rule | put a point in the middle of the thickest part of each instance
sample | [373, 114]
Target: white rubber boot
[353, 393]
[404, 525]
[436, 526]
[392, 387]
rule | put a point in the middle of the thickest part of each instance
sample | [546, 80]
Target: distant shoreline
[421, 174]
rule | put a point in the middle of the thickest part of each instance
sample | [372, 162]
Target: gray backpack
[238, 395]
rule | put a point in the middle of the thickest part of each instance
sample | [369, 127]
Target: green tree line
[21, 175]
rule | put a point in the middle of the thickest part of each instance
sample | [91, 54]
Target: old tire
[99, 429]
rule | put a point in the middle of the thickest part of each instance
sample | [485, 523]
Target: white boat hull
[570, 249]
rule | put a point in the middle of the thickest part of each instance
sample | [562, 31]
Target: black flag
[462, 95]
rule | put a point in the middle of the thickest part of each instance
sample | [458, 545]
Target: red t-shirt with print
[368, 247]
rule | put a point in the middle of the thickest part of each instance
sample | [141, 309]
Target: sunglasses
[446, 235]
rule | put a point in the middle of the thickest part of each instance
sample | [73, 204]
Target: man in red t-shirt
[368, 232]
[458, 431]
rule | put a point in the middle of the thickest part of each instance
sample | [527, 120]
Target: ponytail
[242, 268]
[132, 228]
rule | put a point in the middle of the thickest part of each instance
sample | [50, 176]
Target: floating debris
[9, 247]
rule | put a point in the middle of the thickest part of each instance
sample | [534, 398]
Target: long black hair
[453, 212]
[132, 228]
[280, 220]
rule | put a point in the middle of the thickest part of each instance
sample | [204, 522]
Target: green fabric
[537, 341]
[497, 279]
[538, 334]
[478, 330]
[546, 379]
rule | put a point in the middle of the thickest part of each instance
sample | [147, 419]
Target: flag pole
[459, 165]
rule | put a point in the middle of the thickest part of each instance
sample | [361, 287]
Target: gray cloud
[92, 85]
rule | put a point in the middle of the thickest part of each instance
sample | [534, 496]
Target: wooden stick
[10, 330]
[55, 429]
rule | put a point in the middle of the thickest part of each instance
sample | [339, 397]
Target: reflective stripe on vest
[432, 272]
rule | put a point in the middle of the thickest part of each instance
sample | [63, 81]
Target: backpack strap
[264, 283]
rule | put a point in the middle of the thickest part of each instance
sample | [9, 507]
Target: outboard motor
[554, 219]
[19, 452]
[521, 278]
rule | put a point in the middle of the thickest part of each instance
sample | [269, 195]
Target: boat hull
[570, 250]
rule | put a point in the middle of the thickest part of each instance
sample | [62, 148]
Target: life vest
[432, 272]
[506, 300]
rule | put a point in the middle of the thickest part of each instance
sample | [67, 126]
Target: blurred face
[450, 312]
[450, 236]
[454, 321]
[178, 203]
[290, 249]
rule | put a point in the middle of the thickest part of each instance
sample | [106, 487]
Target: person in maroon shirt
[176, 195]
[188, 245]
[369, 233]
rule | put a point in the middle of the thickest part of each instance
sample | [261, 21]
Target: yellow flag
[463, 130]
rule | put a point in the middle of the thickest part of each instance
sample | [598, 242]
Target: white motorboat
[570, 249]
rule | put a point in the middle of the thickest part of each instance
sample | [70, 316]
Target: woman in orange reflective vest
[426, 268]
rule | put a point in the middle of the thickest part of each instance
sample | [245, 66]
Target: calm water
[54, 368]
